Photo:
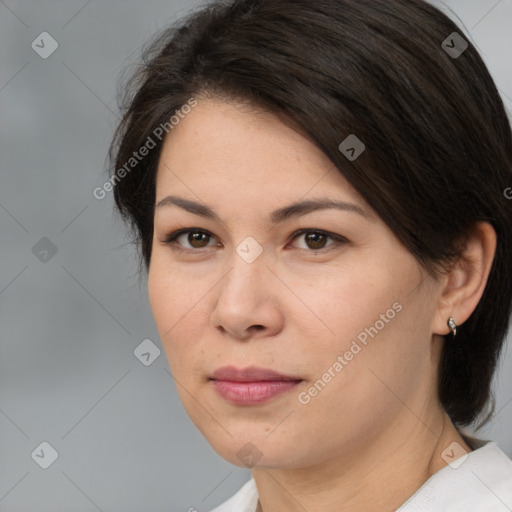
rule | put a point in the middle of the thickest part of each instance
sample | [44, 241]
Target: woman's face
[327, 298]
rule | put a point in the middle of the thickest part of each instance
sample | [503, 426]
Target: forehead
[224, 146]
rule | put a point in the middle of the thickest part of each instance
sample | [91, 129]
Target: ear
[464, 284]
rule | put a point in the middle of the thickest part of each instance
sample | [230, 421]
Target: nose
[247, 304]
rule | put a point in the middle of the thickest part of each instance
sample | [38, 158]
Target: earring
[452, 325]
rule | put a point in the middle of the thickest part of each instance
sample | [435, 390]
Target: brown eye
[198, 239]
[315, 240]
[189, 239]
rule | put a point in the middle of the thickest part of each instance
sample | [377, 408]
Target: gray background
[68, 373]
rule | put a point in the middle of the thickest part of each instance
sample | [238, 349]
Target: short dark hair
[438, 141]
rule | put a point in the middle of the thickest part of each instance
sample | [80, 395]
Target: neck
[379, 475]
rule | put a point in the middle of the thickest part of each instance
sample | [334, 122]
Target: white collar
[483, 482]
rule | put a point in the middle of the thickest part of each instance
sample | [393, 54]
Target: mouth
[251, 385]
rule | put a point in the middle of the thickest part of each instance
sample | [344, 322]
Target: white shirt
[481, 483]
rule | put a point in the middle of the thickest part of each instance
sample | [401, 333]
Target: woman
[317, 191]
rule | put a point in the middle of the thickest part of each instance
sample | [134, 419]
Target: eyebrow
[277, 216]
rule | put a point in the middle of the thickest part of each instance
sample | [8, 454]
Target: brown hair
[438, 142]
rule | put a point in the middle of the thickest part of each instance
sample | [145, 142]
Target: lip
[249, 374]
[251, 385]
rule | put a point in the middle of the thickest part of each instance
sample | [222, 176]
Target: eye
[189, 239]
[316, 240]
[192, 239]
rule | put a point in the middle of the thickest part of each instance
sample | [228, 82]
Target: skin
[375, 433]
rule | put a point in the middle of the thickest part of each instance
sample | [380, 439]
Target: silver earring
[452, 325]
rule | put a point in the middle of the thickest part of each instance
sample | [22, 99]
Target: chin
[252, 451]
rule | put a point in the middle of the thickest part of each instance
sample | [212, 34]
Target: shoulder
[480, 481]
[245, 500]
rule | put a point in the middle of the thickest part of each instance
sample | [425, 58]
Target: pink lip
[252, 385]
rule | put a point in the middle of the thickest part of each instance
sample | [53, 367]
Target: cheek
[178, 306]
[383, 339]
[173, 290]
[370, 313]
[349, 299]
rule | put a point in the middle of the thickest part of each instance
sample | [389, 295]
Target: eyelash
[171, 239]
